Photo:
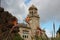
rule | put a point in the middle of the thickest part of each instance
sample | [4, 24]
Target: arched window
[25, 36]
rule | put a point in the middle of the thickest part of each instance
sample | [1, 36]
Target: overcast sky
[48, 10]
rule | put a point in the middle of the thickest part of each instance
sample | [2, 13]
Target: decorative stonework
[32, 21]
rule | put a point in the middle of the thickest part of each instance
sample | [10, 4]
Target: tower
[33, 20]
[34, 17]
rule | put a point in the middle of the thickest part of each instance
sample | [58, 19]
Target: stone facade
[25, 31]
[34, 20]
[29, 30]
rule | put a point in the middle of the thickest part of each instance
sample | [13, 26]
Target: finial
[32, 7]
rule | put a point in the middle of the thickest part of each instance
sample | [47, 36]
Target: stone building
[29, 30]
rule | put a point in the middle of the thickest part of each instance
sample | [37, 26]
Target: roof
[40, 29]
[32, 7]
[1, 9]
[22, 25]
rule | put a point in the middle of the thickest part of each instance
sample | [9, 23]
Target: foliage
[40, 38]
[58, 30]
[17, 37]
[6, 24]
[58, 34]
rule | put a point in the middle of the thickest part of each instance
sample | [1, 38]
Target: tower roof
[1, 9]
[32, 7]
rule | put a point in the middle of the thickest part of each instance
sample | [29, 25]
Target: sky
[48, 10]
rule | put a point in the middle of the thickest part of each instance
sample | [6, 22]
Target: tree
[58, 34]
[58, 30]
[17, 37]
[8, 28]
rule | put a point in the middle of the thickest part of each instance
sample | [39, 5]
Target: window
[32, 12]
[25, 32]
[25, 36]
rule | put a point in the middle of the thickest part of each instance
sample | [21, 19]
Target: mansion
[31, 28]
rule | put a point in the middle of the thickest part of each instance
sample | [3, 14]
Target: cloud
[46, 8]
[49, 10]
[15, 7]
[0, 2]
